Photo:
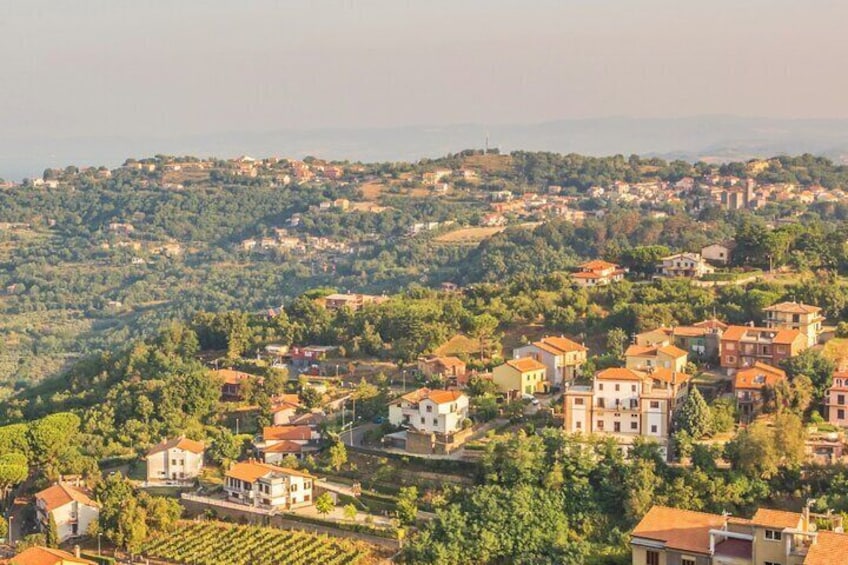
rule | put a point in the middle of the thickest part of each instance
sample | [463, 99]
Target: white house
[433, 411]
[561, 357]
[178, 459]
[71, 508]
[278, 441]
[268, 486]
[689, 265]
[719, 253]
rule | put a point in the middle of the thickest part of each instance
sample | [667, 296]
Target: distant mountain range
[711, 138]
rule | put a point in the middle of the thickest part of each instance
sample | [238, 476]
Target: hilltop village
[530, 357]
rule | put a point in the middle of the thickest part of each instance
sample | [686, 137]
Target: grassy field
[467, 236]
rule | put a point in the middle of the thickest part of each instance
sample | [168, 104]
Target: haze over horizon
[97, 81]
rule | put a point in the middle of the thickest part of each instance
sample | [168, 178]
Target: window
[840, 399]
[731, 359]
[840, 414]
[770, 563]
[655, 404]
[773, 535]
[653, 428]
[422, 420]
[173, 461]
[616, 426]
[429, 408]
[634, 425]
[600, 424]
[632, 388]
[600, 386]
[617, 388]
[294, 487]
[578, 425]
[435, 421]
[687, 561]
[652, 558]
[578, 402]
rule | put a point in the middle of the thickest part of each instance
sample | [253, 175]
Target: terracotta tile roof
[787, 336]
[545, 347]
[619, 374]
[179, 443]
[61, 494]
[284, 402]
[640, 351]
[564, 344]
[586, 275]
[252, 471]
[683, 530]
[437, 396]
[444, 396]
[284, 446]
[793, 308]
[690, 331]
[712, 324]
[526, 364]
[38, 555]
[829, 548]
[672, 351]
[734, 333]
[783, 337]
[292, 433]
[776, 518]
[669, 376]
[598, 265]
[748, 378]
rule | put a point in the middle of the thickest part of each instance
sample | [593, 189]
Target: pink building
[837, 399]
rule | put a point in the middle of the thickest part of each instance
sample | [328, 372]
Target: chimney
[77, 551]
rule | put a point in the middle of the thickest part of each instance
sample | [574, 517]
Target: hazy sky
[176, 67]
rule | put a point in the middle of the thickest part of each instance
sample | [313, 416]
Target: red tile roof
[829, 548]
[292, 433]
[252, 471]
[793, 308]
[747, 379]
[683, 530]
[38, 555]
[619, 374]
[598, 265]
[61, 494]
[526, 364]
[776, 518]
[179, 443]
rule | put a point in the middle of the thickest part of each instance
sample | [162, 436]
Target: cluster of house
[668, 536]
[283, 240]
[640, 398]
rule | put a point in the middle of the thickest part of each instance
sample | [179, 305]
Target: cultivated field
[468, 236]
[212, 543]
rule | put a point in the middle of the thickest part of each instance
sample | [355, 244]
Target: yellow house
[525, 375]
[650, 358]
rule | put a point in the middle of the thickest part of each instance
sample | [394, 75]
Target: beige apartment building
[625, 404]
[796, 316]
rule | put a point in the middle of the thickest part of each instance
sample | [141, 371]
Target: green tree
[324, 504]
[51, 536]
[4, 528]
[131, 529]
[407, 505]
[694, 416]
[224, 447]
[350, 512]
[13, 471]
[338, 455]
[616, 341]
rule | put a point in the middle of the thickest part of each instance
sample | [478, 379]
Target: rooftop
[178, 443]
[793, 308]
[525, 364]
[61, 494]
